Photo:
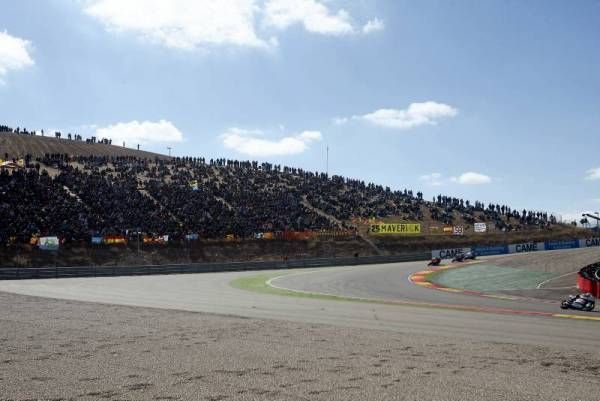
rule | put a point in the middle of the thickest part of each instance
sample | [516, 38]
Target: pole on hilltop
[327, 162]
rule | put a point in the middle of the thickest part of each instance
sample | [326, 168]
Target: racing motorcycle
[435, 262]
[582, 302]
[462, 256]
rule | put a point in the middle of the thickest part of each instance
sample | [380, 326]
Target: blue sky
[488, 100]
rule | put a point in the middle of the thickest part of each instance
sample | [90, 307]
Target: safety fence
[518, 248]
[10, 273]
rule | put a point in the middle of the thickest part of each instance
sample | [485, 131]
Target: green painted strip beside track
[486, 278]
[258, 283]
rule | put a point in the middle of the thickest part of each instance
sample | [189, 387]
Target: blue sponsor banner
[562, 244]
[192, 237]
[96, 240]
[490, 250]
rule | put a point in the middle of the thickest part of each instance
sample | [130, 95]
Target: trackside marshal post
[395, 228]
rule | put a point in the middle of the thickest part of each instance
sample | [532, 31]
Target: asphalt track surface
[391, 282]
[407, 313]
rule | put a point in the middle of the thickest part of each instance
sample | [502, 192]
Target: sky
[497, 101]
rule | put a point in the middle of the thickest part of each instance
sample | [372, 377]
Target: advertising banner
[297, 235]
[335, 233]
[96, 240]
[480, 227]
[587, 242]
[490, 250]
[48, 243]
[561, 244]
[448, 253]
[448, 230]
[458, 230]
[115, 240]
[526, 247]
[192, 237]
[395, 228]
[160, 239]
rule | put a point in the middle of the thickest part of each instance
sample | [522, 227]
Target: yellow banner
[395, 228]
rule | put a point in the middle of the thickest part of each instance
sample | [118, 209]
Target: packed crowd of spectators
[446, 209]
[79, 197]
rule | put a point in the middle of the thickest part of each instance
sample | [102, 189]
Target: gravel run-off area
[66, 350]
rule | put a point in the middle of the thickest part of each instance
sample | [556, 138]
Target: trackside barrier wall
[518, 248]
[565, 244]
[490, 250]
[448, 253]
[585, 243]
[11, 273]
[526, 247]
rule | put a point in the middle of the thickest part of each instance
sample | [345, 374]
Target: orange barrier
[586, 285]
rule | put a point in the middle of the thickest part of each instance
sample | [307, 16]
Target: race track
[391, 282]
[411, 309]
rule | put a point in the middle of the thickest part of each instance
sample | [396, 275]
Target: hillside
[63, 191]
[18, 145]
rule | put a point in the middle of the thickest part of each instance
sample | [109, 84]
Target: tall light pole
[327, 162]
[168, 147]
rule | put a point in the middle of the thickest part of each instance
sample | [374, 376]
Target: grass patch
[258, 283]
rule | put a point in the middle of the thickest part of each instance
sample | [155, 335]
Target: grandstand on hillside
[77, 191]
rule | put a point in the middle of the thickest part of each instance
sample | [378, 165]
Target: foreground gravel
[65, 350]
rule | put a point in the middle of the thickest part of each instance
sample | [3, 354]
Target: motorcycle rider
[582, 299]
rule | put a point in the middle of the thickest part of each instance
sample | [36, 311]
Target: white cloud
[373, 25]
[471, 178]
[193, 24]
[182, 24]
[593, 174]
[309, 136]
[340, 120]
[253, 143]
[313, 15]
[433, 179]
[417, 114]
[14, 54]
[145, 132]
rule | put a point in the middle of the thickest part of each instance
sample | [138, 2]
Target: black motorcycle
[585, 305]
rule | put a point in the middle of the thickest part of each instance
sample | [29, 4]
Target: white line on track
[539, 286]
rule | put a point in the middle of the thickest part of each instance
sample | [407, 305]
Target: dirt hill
[17, 145]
